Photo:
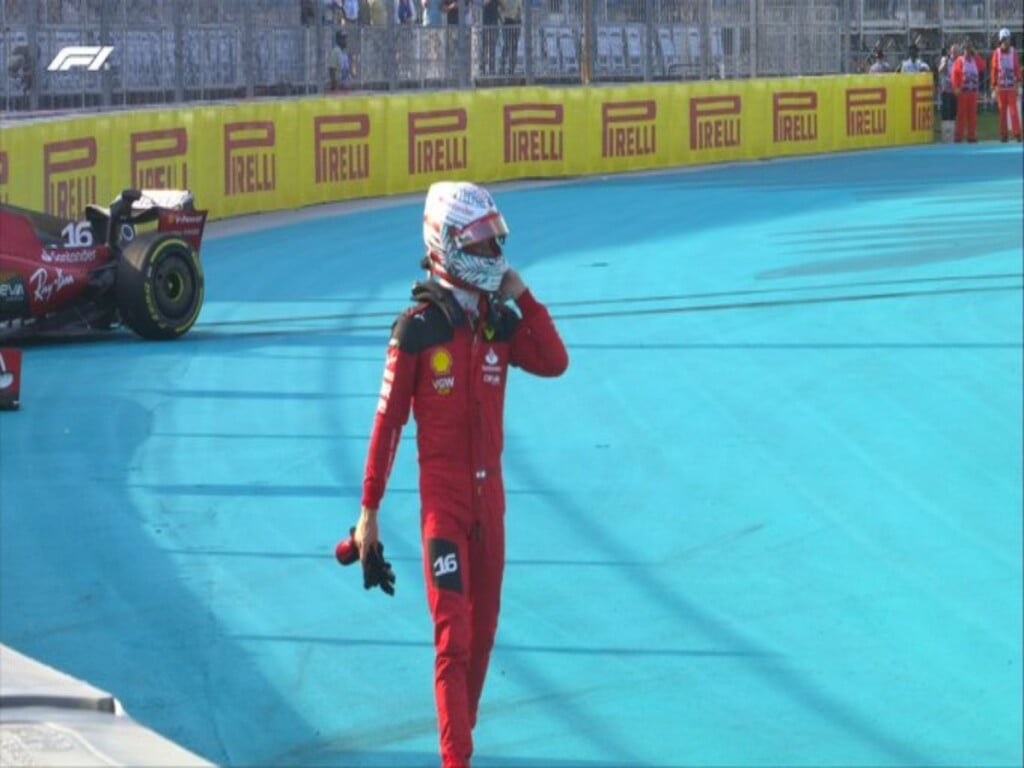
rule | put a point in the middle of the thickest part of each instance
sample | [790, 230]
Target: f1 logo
[90, 57]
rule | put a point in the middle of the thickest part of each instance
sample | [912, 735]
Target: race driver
[448, 361]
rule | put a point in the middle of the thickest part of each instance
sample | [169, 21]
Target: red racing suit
[452, 375]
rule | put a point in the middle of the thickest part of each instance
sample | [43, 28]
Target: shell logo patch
[441, 362]
[441, 365]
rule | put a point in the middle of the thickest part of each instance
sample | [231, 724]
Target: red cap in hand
[347, 552]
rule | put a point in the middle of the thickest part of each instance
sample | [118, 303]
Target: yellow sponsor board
[716, 122]
[161, 151]
[342, 149]
[794, 118]
[537, 133]
[269, 155]
[428, 139]
[626, 129]
[59, 172]
[252, 155]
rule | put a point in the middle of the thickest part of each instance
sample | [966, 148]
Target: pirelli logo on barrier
[342, 147]
[69, 176]
[534, 133]
[628, 128]
[794, 116]
[438, 141]
[922, 109]
[715, 122]
[865, 112]
[250, 157]
[4, 173]
[159, 159]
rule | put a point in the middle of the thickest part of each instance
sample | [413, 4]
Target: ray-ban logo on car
[90, 57]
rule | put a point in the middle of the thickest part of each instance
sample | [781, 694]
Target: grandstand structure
[175, 51]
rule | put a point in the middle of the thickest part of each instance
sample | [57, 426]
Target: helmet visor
[486, 228]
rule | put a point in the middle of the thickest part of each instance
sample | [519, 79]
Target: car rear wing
[175, 199]
[173, 208]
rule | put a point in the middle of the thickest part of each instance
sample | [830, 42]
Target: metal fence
[173, 51]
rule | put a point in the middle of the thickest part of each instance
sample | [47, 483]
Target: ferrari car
[134, 264]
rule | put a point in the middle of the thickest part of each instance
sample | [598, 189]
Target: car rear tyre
[159, 287]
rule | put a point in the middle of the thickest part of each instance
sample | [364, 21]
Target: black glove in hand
[376, 571]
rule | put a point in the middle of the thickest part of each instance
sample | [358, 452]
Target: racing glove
[377, 571]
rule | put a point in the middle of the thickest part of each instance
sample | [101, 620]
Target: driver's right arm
[393, 406]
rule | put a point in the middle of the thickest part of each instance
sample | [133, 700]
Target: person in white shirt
[879, 66]
[914, 63]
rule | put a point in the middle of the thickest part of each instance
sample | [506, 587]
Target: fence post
[587, 42]
[649, 32]
[528, 41]
[319, 53]
[35, 63]
[248, 54]
[106, 39]
[844, 36]
[705, 38]
[179, 50]
[464, 46]
[756, 12]
[391, 45]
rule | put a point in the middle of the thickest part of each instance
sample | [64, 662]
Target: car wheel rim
[174, 286]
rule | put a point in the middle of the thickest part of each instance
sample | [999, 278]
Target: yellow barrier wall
[264, 155]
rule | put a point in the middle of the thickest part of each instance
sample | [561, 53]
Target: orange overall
[1005, 73]
[966, 81]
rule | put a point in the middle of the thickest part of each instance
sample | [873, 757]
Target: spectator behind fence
[1006, 79]
[333, 14]
[879, 66]
[355, 14]
[451, 9]
[349, 11]
[307, 13]
[378, 13]
[512, 13]
[339, 67]
[433, 13]
[947, 103]
[491, 27]
[914, 63]
[21, 66]
[405, 12]
[966, 80]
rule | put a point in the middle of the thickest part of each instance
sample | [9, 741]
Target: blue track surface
[771, 515]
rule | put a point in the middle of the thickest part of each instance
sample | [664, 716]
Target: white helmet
[463, 232]
[1004, 34]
